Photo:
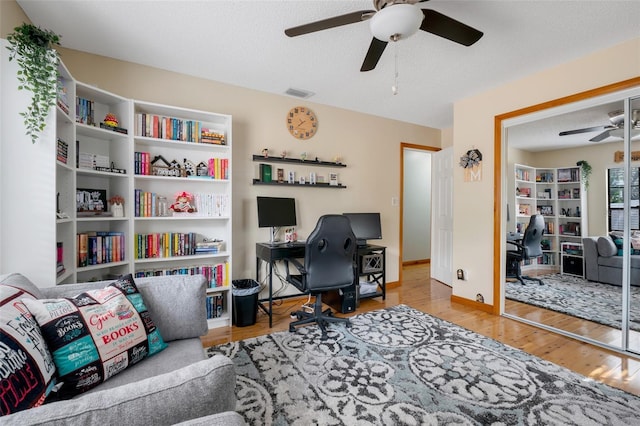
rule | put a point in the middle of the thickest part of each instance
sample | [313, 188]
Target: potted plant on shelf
[585, 172]
[32, 48]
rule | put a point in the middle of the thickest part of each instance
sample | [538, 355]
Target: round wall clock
[302, 122]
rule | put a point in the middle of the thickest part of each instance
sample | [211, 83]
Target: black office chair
[329, 264]
[529, 247]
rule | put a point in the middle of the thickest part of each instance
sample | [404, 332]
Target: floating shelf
[263, 159]
[307, 185]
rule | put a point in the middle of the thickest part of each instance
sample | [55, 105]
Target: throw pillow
[26, 366]
[96, 334]
[619, 242]
[606, 247]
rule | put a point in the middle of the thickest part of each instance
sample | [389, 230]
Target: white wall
[416, 238]
[474, 126]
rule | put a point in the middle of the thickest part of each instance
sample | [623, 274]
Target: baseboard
[472, 303]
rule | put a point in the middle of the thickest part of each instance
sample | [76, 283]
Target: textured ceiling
[242, 43]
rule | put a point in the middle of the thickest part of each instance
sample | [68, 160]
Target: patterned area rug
[399, 366]
[601, 303]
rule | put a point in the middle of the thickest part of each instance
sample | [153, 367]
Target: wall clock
[302, 122]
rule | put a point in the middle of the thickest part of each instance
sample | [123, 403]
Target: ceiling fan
[394, 20]
[615, 128]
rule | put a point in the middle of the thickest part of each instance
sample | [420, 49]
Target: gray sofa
[602, 264]
[179, 384]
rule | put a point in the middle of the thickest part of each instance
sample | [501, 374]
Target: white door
[442, 215]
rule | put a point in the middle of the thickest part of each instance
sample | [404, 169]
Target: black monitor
[275, 212]
[365, 226]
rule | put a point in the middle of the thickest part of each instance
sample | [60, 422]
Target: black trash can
[245, 301]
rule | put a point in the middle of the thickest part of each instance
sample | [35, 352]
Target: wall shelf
[263, 159]
[308, 185]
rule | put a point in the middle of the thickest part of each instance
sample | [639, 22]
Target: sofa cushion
[606, 247]
[26, 366]
[195, 391]
[96, 334]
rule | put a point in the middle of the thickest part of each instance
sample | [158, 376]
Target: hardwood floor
[430, 296]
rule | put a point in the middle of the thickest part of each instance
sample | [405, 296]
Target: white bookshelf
[30, 232]
[557, 193]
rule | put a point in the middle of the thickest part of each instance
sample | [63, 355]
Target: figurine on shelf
[303, 156]
[110, 120]
[265, 152]
[283, 154]
[337, 159]
[183, 203]
[117, 206]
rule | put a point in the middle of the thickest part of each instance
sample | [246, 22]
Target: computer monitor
[365, 226]
[275, 212]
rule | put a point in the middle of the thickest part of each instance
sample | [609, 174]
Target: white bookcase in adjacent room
[558, 194]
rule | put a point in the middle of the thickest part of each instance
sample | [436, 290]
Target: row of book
[150, 204]
[164, 244]
[159, 127]
[62, 99]
[545, 259]
[216, 275]
[85, 111]
[146, 165]
[215, 305]
[62, 151]
[99, 247]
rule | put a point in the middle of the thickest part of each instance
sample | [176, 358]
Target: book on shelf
[60, 269]
[265, 172]
[98, 247]
[217, 276]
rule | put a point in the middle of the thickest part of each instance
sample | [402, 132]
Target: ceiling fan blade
[585, 130]
[443, 26]
[602, 136]
[336, 21]
[373, 54]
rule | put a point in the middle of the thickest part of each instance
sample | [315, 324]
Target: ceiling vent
[299, 93]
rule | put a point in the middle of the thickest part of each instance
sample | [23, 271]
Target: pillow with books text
[26, 366]
[97, 334]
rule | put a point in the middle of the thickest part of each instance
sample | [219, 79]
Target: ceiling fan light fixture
[396, 22]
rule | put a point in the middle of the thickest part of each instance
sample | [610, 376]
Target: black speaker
[343, 300]
[348, 302]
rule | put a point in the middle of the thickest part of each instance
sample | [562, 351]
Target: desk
[271, 253]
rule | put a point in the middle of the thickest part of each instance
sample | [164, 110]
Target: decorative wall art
[471, 162]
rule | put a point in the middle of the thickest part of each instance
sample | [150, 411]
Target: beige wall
[370, 146]
[11, 16]
[473, 126]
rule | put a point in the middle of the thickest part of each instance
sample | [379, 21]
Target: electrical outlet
[394, 201]
[462, 275]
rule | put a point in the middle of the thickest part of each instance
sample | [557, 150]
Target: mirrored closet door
[578, 167]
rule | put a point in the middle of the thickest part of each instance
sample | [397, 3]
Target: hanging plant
[585, 172]
[32, 48]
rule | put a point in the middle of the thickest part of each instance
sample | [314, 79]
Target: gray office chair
[329, 264]
[528, 248]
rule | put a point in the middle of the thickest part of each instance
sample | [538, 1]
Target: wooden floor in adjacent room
[430, 296]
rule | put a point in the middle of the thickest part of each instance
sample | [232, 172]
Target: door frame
[498, 198]
[404, 145]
